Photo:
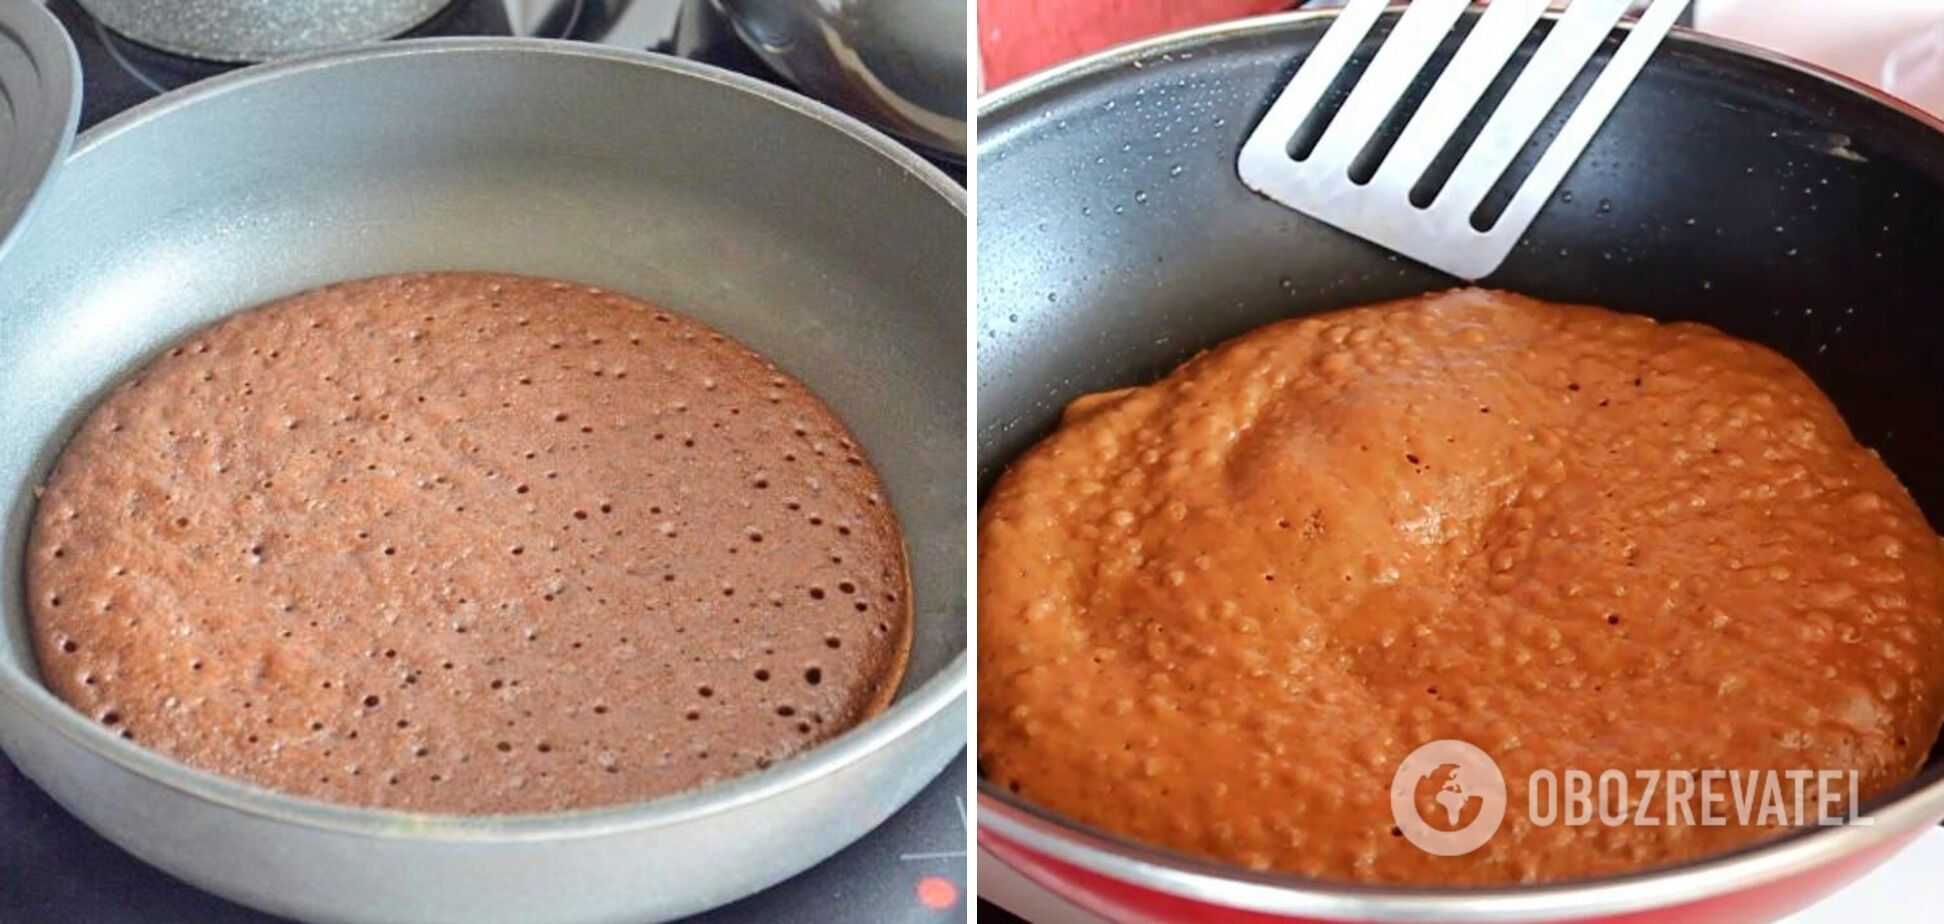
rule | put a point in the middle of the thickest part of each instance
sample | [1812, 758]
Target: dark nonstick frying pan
[1774, 201]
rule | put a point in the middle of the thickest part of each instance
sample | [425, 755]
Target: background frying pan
[1779, 203]
[243, 31]
[776, 220]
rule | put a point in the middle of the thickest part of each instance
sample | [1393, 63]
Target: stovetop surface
[54, 870]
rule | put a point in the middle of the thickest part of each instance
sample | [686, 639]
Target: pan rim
[877, 141]
[1226, 885]
[41, 34]
[1025, 89]
[931, 700]
[1040, 830]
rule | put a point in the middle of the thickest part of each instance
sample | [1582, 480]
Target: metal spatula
[1445, 232]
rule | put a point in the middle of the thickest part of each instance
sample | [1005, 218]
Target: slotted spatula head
[1445, 227]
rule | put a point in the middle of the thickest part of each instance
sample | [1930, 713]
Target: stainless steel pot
[844, 262]
[898, 64]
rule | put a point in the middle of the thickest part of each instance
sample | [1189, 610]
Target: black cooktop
[53, 870]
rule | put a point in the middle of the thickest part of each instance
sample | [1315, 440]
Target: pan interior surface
[520, 157]
[1116, 240]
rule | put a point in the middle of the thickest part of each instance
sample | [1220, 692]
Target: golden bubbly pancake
[1217, 612]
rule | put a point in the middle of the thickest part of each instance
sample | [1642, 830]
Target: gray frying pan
[778, 221]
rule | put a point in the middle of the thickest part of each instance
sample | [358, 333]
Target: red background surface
[1018, 37]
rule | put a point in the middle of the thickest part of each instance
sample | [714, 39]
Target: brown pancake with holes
[468, 543]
